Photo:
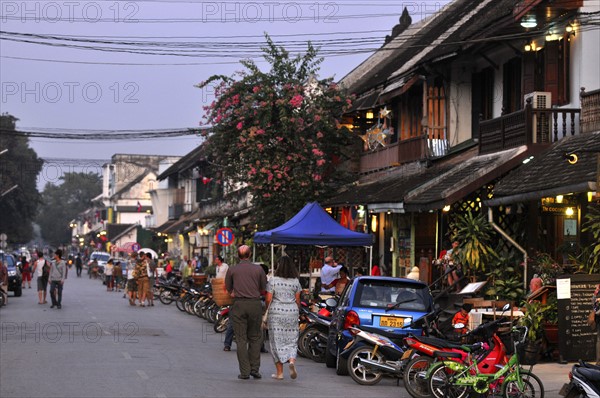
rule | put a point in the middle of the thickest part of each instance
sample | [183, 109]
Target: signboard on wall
[576, 339]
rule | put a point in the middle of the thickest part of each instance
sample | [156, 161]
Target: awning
[463, 179]
[366, 101]
[550, 174]
[399, 87]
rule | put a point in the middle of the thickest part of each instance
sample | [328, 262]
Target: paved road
[99, 346]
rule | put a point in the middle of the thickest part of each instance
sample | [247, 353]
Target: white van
[101, 258]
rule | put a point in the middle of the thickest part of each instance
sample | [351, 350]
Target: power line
[103, 135]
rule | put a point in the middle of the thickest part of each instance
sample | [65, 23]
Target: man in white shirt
[220, 267]
[329, 273]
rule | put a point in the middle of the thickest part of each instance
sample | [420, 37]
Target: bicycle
[456, 380]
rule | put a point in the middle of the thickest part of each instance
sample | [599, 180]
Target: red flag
[139, 206]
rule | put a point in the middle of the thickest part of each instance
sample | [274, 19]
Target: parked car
[380, 302]
[15, 279]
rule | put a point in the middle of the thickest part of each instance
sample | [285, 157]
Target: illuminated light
[528, 47]
[446, 208]
[590, 196]
[569, 28]
[569, 211]
[559, 198]
[369, 115]
[529, 21]
[374, 223]
[529, 159]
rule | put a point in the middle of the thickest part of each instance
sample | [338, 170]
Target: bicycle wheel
[440, 383]
[414, 377]
[532, 387]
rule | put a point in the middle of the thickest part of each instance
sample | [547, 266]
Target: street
[98, 345]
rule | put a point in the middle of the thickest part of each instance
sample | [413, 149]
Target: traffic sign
[225, 236]
[136, 247]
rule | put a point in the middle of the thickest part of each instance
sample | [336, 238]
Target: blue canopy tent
[314, 226]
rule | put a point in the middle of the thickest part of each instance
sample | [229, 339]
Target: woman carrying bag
[283, 303]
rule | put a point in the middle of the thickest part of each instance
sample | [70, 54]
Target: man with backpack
[41, 269]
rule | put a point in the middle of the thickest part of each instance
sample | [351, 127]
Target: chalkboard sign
[576, 340]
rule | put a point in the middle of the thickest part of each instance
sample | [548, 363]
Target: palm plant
[475, 235]
[590, 256]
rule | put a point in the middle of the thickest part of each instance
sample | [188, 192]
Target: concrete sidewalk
[553, 376]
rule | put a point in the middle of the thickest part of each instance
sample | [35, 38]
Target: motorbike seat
[446, 354]
[437, 342]
[390, 335]
[592, 375]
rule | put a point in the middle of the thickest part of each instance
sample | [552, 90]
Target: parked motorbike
[584, 381]
[312, 342]
[222, 319]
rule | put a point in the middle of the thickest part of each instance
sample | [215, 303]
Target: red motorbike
[491, 356]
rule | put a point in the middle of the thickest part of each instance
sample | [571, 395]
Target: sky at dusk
[133, 65]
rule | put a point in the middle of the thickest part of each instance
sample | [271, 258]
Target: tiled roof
[185, 163]
[551, 174]
[462, 179]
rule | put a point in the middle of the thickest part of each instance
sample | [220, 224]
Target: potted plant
[533, 319]
[475, 235]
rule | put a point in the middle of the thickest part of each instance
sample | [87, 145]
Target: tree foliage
[62, 203]
[278, 132]
[19, 166]
[475, 235]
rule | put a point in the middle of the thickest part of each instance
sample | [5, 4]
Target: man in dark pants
[245, 283]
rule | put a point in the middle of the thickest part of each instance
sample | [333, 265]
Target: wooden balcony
[590, 111]
[527, 127]
[405, 151]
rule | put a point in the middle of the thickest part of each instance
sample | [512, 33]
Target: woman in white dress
[283, 301]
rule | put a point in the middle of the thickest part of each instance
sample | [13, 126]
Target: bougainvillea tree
[279, 132]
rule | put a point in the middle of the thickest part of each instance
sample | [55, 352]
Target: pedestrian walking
[245, 283]
[108, 274]
[58, 274]
[78, 265]
[131, 283]
[26, 272]
[283, 304]
[220, 267]
[41, 269]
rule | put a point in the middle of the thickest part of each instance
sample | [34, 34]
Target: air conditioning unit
[541, 120]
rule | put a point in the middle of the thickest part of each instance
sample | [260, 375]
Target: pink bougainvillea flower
[240, 126]
[320, 162]
[296, 101]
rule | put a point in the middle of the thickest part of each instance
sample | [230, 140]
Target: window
[482, 98]
[512, 97]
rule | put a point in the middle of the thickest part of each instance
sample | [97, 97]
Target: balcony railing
[526, 127]
[590, 111]
[400, 152]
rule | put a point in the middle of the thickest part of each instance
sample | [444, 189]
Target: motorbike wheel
[533, 387]
[165, 297]
[360, 373]
[314, 347]
[221, 325]
[189, 306]
[440, 383]
[179, 303]
[341, 365]
[198, 308]
[414, 377]
[302, 342]
[330, 360]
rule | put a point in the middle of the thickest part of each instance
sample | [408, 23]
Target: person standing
[58, 274]
[329, 273]
[141, 277]
[151, 267]
[4, 281]
[283, 303]
[221, 267]
[42, 277]
[245, 283]
[108, 274]
[131, 284]
[118, 275]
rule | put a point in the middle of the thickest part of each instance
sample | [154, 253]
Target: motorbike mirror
[331, 302]
[506, 307]
[459, 325]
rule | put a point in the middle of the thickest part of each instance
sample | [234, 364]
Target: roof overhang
[392, 207]
[536, 195]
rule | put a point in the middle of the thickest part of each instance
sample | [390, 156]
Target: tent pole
[272, 259]
[370, 259]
